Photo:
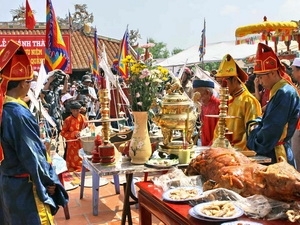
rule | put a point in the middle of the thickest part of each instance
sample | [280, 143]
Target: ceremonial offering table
[98, 170]
[119, 167]
[151, 203]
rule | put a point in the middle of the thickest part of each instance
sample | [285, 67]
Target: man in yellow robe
[242, 105]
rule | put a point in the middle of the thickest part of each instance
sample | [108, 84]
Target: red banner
[34, 46]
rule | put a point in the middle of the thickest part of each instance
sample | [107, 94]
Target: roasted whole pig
[227, 168]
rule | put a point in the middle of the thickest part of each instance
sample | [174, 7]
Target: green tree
[159, 50]
[176, 51]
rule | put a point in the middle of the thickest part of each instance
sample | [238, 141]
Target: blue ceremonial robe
[277, 124]
[25, 154]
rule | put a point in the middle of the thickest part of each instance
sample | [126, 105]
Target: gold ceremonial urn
[176, 113]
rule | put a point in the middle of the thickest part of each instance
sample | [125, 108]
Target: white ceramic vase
[140, 145]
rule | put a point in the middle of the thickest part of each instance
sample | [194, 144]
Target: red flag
[29, 17]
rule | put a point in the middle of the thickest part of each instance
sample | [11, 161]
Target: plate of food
[161, 163]
[182, 194]
[218, 210]
[193, 214]
[241, 222]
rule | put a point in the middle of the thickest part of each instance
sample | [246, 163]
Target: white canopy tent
[216, 51]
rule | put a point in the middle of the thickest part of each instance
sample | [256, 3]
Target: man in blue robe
[270, 135]
[30, 191]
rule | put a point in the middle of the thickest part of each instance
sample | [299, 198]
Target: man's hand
[51, 189]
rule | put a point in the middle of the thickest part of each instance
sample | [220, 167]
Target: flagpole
[123, 52]
[202, 47]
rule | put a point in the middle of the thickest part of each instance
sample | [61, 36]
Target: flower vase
[140, 146]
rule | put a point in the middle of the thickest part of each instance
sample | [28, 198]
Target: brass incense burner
[176, 113]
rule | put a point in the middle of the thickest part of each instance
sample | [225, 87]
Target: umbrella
[268, 29]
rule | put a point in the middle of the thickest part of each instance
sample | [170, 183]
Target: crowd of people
[263, 106]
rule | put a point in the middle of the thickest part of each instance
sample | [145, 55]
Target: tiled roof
[81, 44]
[82, 48]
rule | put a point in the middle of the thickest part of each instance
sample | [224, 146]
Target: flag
[95, 65]
[123, 70]
[42, 78]
[104, 55]
[56, 55]
[202, 46]
[70, 21]
[107, 75]
[110, 77]
[29, 17]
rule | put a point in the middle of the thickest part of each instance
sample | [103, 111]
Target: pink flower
[145, 73]
[137, 95]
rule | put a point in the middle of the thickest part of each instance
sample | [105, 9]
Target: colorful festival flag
[56, 55]
[124, 51]
[202, 46]
[95, 65]
[29, 17]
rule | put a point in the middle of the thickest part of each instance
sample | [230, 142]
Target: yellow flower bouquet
[144, 81]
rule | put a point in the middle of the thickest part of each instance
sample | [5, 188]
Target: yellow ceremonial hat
[229, 68]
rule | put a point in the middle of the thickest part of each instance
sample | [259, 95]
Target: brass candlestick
[107, 149]
[221, 140]
[105, 117]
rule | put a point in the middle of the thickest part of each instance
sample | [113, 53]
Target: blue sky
[177, 23]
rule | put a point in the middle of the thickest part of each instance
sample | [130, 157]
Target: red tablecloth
[151, 202]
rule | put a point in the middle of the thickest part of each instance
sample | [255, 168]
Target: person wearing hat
[65, 100]
[270, 135]
[242, 105]
[30, 190]
[295, 141]
[209, 105]
[88, 95]
[72, 126]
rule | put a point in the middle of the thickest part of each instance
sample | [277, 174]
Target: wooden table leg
[145, 217]
[126, 207]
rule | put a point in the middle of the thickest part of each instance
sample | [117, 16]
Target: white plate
[167, 194]
[199, 208]
[241, 222]
[193, 214]
[162, 163]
